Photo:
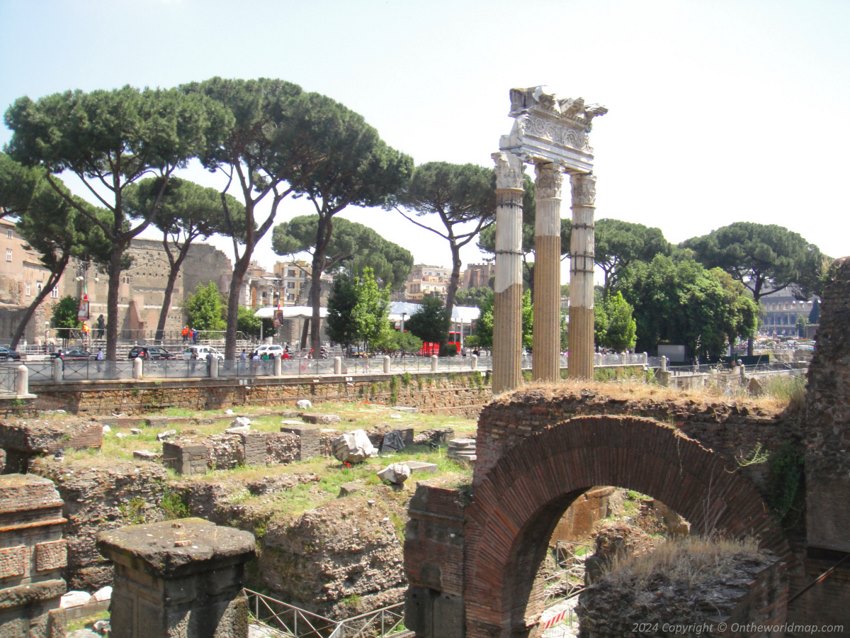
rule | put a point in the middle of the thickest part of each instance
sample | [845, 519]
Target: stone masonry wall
[433, 561]
[458, 393]
[99, 497]
[828, 420]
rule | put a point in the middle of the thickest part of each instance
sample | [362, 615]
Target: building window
[8, 254]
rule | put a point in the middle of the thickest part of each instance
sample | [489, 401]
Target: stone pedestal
[582, 239]
[185, 457]
[32, 557]
[178, 579]
[507, 302]
[309, 440]
[546, 365]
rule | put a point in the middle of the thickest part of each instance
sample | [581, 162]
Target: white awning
[460, 314]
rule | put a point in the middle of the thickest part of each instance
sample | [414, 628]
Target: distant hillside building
[477, 275]
[424, 280]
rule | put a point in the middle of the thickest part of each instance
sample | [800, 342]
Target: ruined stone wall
[24, 440]
[734, 429]
[828, 420]
[434, 601]
[32, 556]
[227, 451]
[743, 593]
[98, 496]
[453, 393]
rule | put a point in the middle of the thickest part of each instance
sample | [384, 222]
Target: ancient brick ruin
[33, 556]
[471, 556]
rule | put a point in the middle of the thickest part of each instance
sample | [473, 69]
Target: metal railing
[41, 370]
[9, 379]
[300, 623]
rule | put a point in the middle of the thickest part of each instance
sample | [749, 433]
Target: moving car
[149, 352]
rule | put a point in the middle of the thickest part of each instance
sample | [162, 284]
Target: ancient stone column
[580, 360]
[507, 303]
[178, 579]
[546, 365]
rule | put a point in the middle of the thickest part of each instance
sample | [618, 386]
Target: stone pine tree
[619, 243]
[352, 247]
[286, 141]
[765, 258]
[109, 140]
[461, 200]
[187, 212]
[255, 156]
[341, 162]
[55, 229]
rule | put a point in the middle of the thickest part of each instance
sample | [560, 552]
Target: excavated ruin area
[329, 537]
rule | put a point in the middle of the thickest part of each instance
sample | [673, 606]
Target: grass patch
[691, 560]
[86, 621]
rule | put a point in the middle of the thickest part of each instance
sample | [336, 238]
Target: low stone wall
[26, 439]
[457, 393]
[227, 451]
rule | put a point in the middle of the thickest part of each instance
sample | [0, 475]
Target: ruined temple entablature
[551, 129]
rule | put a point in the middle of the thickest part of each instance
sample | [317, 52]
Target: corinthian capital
[549, 180]
[508, 170]
[583, 189]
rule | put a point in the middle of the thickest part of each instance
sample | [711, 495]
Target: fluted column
[507, 304]
[546, 365]
[581, 276]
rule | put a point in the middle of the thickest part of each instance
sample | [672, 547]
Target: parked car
[7, 354]
[270, 349]
[150, 352]
[74, 354]
[201, 352]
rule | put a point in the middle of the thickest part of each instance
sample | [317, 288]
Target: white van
[201, 352]
[273, 350]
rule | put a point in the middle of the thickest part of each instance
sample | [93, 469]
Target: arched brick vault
[519, 500]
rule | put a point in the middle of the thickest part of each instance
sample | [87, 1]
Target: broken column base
[178, 579]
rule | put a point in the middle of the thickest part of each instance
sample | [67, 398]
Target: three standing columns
[507, 324]
[546, 364]
[580, 363]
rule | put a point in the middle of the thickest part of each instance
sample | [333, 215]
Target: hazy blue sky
[720, 110]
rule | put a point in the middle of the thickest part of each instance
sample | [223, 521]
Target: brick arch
[519, 500]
